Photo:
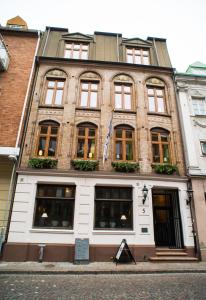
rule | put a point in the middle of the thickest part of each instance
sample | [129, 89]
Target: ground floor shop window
[54, 207]
[113, 208]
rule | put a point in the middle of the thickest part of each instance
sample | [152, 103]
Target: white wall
[22, 216]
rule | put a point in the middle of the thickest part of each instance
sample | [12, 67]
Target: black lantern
[145, 193]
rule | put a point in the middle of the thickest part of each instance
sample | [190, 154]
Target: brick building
[17, 50]
[104, 104]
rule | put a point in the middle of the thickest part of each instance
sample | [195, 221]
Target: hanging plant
[127, 167]
[85, 165]
[42, 163]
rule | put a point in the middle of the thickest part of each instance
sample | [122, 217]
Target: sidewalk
[99, 268]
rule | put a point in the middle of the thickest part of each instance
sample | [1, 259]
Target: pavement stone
[100, 268]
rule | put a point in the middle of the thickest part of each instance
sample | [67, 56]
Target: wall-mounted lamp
[190, 195]
[145, 193]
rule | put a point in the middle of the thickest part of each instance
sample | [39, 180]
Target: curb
[111, 272]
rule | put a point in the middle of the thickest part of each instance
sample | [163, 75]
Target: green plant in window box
[42, 163]
[85, 165]
[167, 169]
[127, 167]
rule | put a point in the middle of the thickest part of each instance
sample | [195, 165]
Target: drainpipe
[12, 188]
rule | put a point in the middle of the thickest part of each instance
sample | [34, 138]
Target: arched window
[123, 143]
[47, 139]
[54, 88]
[123, 92]
[156, 95]
[86, 141]
[89, 90]
[160, 145]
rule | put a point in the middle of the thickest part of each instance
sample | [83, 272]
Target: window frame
[86, 138]
[123, 93]
[142, 55]
[81, 50]
[124, 140]
[89, 91]
[52, 198]
[202, 147]
[54, 89]
[159, 133]
[112, 200]
[199, 100]
[48, 135]
[156, 97]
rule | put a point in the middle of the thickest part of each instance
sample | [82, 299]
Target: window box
[42, 163]
[85, 165]
[127, 167]
[167, 169]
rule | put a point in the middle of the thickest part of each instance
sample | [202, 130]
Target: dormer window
[138, 56]
[76, 50]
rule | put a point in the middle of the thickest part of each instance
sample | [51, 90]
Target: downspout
[13, 181]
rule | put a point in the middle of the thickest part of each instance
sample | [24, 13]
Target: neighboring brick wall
[13, 84]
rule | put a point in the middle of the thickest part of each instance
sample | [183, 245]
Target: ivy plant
[127, 167]
[42, 163]
[85, 165]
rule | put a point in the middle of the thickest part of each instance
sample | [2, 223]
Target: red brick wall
[13, 85]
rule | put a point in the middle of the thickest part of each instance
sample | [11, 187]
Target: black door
[167, 223]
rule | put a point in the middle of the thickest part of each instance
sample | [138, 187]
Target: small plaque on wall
[81, 251]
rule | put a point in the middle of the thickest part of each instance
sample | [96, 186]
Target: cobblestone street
[153, 286]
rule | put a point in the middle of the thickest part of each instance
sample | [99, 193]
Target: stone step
[171, 253]
[173, 259]
[166, 249]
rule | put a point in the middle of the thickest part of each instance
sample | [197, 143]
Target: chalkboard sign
[81, 251]
[124, 254]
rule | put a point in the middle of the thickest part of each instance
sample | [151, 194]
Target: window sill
[125, 111]
[113, 232]
[51, 106]
[47, 230]
[88, 108]
[159, 114]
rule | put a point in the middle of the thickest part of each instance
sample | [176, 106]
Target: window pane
[92, 131]
[91, 148]
[165, 151]
[85, 86]
[44, 129]
[118, 101]
[93, 99]
[156, 153]
[118, 88]
[52, 146]
[49, 96]
[128, 134]
[154, 137]
[68, 46]
[203, 144]
[51, 84]
[145, 53]
[160, 105]
[130, 59]
[84, 98]
[58, 98]
[150, 91]
[146, 60]
[54, 130]
[127, 102]
[85, 47]
[137, 52]
[164, 138]
[127, 89]
[81, 131]
[76, 46]
[151, 104]
[80, 148]
[118, 150]
[137, 59]
[84, 55]
[129, 51]
[129, 152]
[75, 54]
[159, 92]
[41, 148]
[119, 133]
[94, 86]
[67, 54]
[60, 84]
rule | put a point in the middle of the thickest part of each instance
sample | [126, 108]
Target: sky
[181, 22]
